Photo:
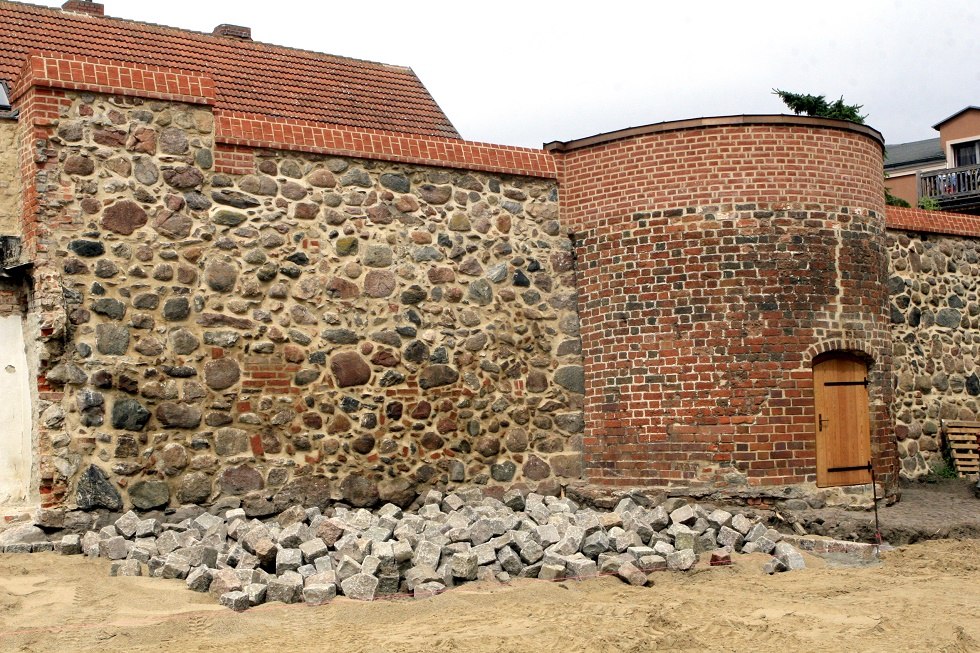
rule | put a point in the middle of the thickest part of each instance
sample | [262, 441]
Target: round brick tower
[719, 260]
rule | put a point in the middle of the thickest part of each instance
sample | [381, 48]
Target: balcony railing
[955, 188]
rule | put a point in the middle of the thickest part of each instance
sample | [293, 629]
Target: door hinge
[852, 468]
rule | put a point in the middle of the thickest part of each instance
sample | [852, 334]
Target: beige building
[945, 169]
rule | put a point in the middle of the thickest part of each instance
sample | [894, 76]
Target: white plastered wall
[16, 460]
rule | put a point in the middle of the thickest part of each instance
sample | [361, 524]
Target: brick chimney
[84, 7]
[233, 31]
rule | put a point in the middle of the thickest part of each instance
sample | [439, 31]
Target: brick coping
[935, 222]
[744, 120]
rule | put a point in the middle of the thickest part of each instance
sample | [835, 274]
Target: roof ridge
[181, 30]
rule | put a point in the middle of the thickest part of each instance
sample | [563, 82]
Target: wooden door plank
[842, 421]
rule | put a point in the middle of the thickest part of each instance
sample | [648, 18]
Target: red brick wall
[936, 222]
[255, 130]
[714, 264]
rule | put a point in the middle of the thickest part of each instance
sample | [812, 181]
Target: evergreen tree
[818, 107]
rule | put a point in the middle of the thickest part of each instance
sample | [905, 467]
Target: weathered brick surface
[714, 264]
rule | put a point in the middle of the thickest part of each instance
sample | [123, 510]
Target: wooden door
[843, 425]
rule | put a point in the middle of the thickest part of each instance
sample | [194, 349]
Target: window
[4, 97]
[966, 154]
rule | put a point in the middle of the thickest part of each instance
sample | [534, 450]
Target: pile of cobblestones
[305, 556]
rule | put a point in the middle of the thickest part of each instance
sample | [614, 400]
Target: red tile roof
[249, 76]
[936, 222]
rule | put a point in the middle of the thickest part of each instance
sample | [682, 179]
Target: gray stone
[681, 560]
[176, 309]
[437, 375]
[199, 579]
[377, 256]
[949, 318]
[226, 218]
[95, 491]
[579, 566]
[67, 374]
[356, 177]
[742, 524]
[729, 537]
[788, 555]
[396, 182]
[480, 292]
[774, 565]
[234, 199]
[147, 495]
[173, 141]
[757, 531]
[129, 415]
[24, 534]
[360, 587]
[148, 528]
[178, 416]
[571, 377]
[632, 574]
[111, 339]
[287, 588]
[183, 177]
[464, 565]
[427, 589]
[551, 571]
[145, 170]
[175, 566]
[313, 549]
[237, 601]
[70, 545]
[127, 524]
[183, 342]
[256, 593]
[204, 158]
[319, 594]
[221, 374]
[221, 276]
[126, 568]
[90, 544]
[87, 248]
[111, 308]
[288, 560]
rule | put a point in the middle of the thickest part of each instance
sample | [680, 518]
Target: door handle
[821, 421]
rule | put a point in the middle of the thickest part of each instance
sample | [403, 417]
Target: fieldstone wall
[10, 194]
[324, 328]
[935, 313]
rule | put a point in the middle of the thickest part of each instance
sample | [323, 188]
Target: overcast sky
[528, 72]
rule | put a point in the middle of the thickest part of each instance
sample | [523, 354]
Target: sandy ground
[922, 597]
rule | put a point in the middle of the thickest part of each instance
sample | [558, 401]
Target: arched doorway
[843, 425]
